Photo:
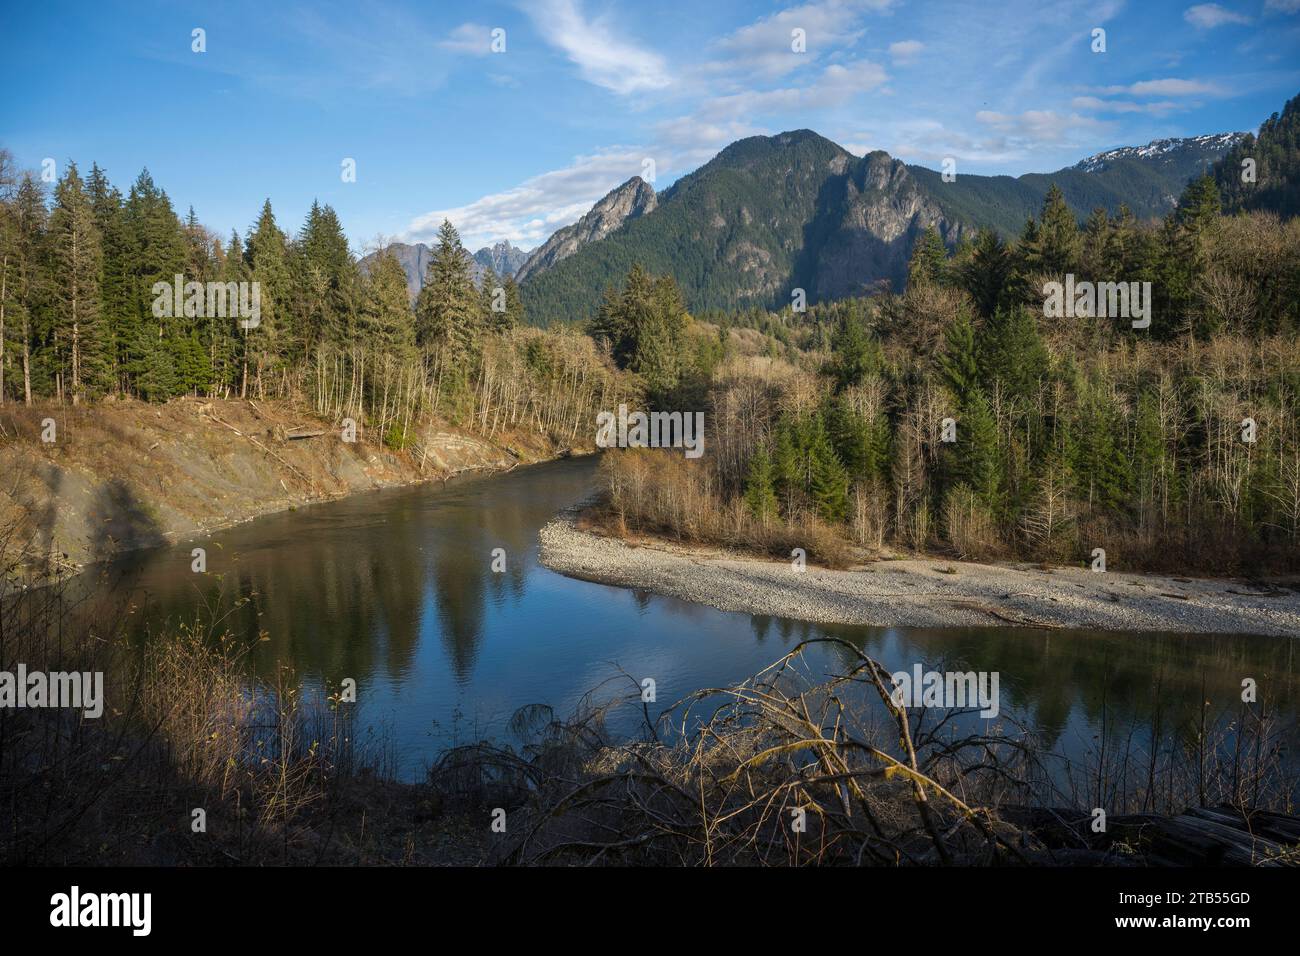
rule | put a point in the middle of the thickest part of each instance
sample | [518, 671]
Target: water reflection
[395, 589]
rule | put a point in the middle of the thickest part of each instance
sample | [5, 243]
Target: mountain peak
[623, 203]
[1210, 146]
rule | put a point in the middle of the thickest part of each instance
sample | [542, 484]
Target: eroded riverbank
[931, 592]
[122, 476]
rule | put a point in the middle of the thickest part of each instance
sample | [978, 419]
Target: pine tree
[488, 298]
[24, 276]
[1096, 242]
[959, 361]
[514, 314]
[117, 301]
[386, 322]
[82, 347]
[929, 259]
[985, 275]
[1012, 353]
[269, 343]
[785, 465]
[447, 310]
[856, 354]
[828, 482]
[1058, 245]
[974, 456]
[760, 494]
[329, 277]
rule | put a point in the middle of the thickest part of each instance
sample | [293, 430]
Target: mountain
[503, 258]
[414, 260]
[770, 214]
[629, 201]
[1194, 151]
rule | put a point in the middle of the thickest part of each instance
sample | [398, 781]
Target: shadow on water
[395, 589]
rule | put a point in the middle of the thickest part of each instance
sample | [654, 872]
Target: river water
[396, 590]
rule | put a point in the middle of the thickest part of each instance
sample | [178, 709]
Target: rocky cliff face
[504, 258]
[629, 201]
[881, 212]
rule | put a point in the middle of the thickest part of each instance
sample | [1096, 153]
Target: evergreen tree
[1012, 353]
[81, 341]
[117, 300]
[447, 311]
[929, 259]
[856, 353]
[760, 493]
[959, 361]
[828, 482]
[386, 322]
[514, 314]
[974, 456]
[269, 343]
[1058, 245]
[985, 274]
[329, 279]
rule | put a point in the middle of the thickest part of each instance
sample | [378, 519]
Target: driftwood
[1200, 836]
[296, 471]
[293, 434]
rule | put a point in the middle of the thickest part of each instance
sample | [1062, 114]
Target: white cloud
[836, 84]
[1155, 108]
[602, 57]
[1165, 87]
[764, 47]
[1037, 128]
[905, 51]
[472, 38]
[1207, 16]
[528, 213]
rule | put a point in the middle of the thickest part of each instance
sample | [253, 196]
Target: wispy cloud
[474, 39]
[1207, 16]
[1164, 87]
[531, 211]
[905, 51]
[595, 47]
[766, 47]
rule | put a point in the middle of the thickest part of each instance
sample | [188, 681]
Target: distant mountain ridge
[1212, 145]
[503, 258]
[769, 214]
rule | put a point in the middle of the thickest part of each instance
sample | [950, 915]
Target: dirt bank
[932, 592]
[127, 474]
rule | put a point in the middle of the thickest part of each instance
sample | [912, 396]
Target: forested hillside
[771, 214]
[1273, 182]
[1175, 446]
[90, 308]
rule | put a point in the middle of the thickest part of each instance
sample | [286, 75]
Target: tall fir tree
[81, 342]
[448, 311]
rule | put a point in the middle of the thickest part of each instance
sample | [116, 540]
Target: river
[396, 590]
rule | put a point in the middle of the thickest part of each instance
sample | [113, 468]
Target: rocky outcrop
[629, 201]
[881, 213]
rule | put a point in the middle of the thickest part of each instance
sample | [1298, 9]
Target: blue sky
[515, 144]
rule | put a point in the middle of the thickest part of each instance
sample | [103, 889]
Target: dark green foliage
[760, 487]
[1276, 154]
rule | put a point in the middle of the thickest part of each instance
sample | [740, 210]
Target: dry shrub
[660, 492]
[969, 525]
